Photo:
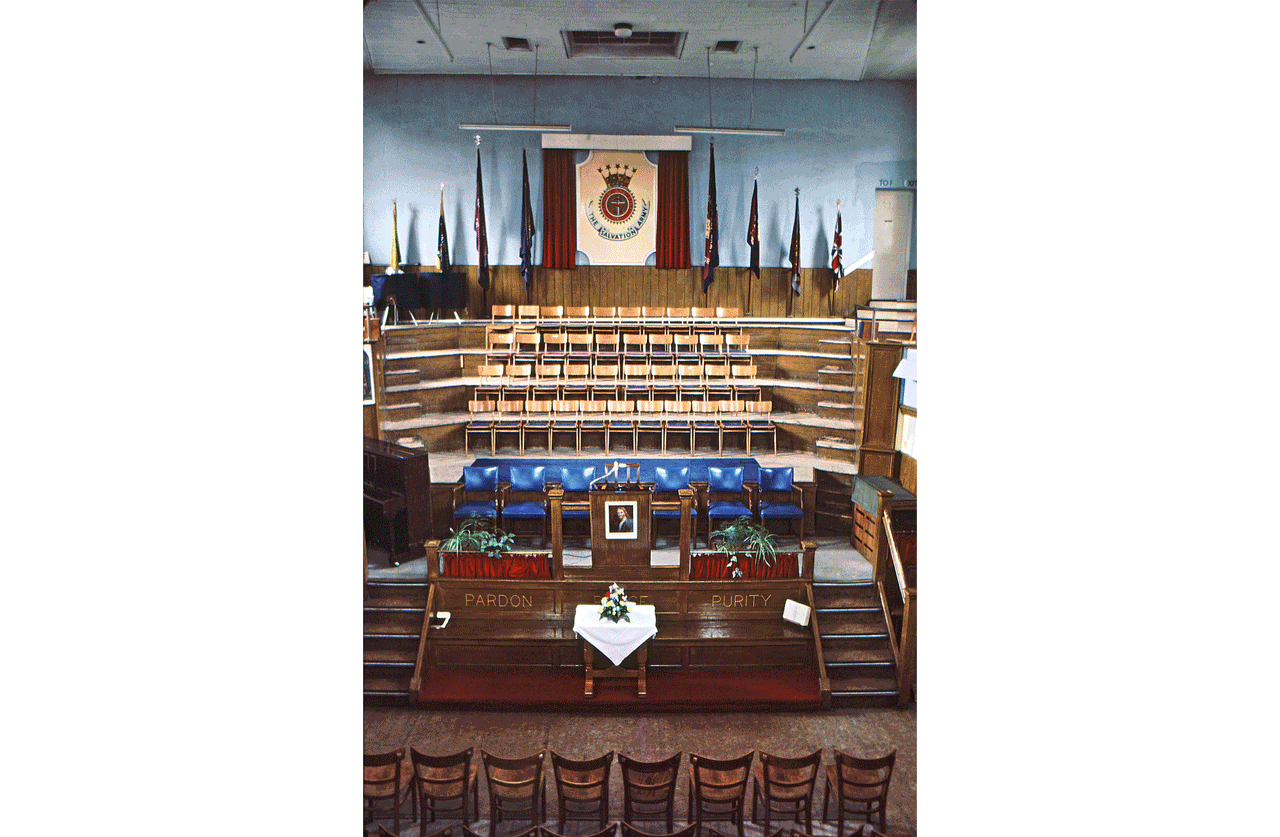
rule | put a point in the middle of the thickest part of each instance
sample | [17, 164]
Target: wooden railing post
[881, 565]
[555, 500]
[907, 665]
[810, 551]
[686, 502]
[433, 559]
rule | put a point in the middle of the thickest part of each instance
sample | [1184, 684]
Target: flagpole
[831, 300]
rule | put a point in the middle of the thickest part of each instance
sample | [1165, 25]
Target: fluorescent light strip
[754, 132]
[561, 128]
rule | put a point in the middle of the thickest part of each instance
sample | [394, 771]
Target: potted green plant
[477, 534]
[742, 538]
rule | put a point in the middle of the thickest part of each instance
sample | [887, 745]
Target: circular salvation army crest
[616, 202]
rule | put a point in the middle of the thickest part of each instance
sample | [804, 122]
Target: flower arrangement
[615, 605]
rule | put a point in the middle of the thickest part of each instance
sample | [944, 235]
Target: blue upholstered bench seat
[697, 465]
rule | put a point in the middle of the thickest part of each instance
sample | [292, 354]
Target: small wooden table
[616, 640]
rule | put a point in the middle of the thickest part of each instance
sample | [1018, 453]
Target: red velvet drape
[559, 221]
[673, 209]
[476, 565]
[714, 566]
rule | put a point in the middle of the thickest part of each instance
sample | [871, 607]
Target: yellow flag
[395, 242]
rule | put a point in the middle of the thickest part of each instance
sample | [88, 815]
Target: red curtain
[559, 221]
[673, 209]
[478, 565]
[713, 566]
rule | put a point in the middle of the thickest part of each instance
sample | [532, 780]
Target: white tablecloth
[615, 639]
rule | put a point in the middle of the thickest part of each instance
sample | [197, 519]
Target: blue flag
[795, 249]
[753, 233]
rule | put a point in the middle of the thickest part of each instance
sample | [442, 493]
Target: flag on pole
[753, 233]
[836, 253]
[526, 228]
[442, 244]
[711, 255]
[795, 249]
[394, 267]
[482, 237]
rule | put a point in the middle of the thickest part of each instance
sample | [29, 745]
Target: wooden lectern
[620, 520]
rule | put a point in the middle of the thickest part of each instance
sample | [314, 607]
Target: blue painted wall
[842, 140]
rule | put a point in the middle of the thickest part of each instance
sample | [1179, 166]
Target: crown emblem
[616, 176]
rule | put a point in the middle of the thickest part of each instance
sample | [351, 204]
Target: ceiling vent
[519, 44]
[727, 46]
[606, 44]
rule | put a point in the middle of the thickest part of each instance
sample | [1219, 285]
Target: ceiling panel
[856, 39]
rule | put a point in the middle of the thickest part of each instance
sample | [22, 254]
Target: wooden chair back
[516, 788]
[628, 312]
[582, 786]
[718, 787]
[502, 312]
[383, 781]
[526, 312]
[551, 312]
[438, 779]
[649, 788]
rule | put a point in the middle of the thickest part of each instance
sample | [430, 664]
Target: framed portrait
[620, 520]
[368, 374]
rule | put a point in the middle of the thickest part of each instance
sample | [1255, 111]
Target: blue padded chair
[721, 482]
[667, 481]
[479, 481]
[527, 481]
[576, 483]
[776, 483]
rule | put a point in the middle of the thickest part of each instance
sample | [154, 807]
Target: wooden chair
[635, 347]
[383, 785]
[531, 831]
[678, 321]
[630, 831]
[607, 346]
[576, 376]
[736, 346]
[649, 419]
[593, 421]
[607, 831]
[663, 378]
[480, 423]
[527, 313]
[660, 348]
[551, 312]
[785, 786]
[711, 347]
[718, 789]
[582, 787]
[508, 421]
[555, 345]
[628, 312]
[686, 346]
[577, 312]
[621, 421]
[780, 498]
[500, 347]
[527, 344]
[649, 788]
[718, 387]
[576, 482]
[502, 312]
[706, 421]
[603, 312]
[760, 424]
[536, 425]
[566, 421]
[580, 347]
[731, 422]
[491, 378]
[653, 313]
[516, 788]
[745, 387]
[546, 383]
[677, 425]
[690, 387]
[728, 313]
[860, 786]
[444, 779]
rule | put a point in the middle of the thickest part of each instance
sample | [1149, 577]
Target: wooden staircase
[393, 616]
[855, 644]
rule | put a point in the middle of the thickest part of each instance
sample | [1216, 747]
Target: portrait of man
[620, 520]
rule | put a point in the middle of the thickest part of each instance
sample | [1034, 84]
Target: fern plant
[475, 534]
[744, 535]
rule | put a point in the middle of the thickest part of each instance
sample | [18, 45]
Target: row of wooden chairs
[500, 346]
[498, 374]
[669, 421]
[555, 312]
[628, 830]
[716, 787]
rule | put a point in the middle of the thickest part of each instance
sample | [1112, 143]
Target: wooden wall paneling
[907, 472]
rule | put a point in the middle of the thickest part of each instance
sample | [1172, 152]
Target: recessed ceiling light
[622, 30]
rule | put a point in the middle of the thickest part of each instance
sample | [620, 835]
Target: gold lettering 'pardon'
[497, 600]
[616, 200]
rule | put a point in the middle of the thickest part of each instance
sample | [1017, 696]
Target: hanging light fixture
[497, 126]
[748, 131]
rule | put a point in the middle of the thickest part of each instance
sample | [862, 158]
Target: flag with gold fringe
[836, 252]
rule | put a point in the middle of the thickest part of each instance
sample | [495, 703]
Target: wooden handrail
[824, 683]
[903, 643]
[415, 682]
